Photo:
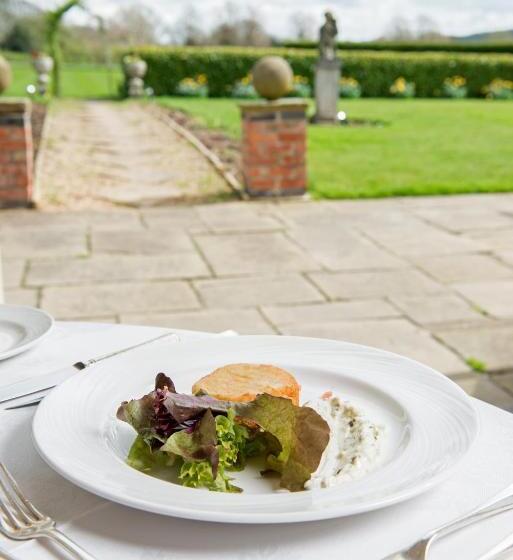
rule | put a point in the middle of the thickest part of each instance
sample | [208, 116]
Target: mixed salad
[202, 439]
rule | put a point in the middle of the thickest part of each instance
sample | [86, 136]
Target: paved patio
[431, 278]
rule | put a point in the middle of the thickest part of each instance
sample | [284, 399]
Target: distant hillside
[487, 37]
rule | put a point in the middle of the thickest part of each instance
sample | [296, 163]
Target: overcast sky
[358, 19]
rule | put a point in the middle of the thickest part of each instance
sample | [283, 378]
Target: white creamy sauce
[354, 445]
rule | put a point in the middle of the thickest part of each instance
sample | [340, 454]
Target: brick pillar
[16, 153]
[274, 147]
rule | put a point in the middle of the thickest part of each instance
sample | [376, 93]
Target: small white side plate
[20, 328]
[430, 424]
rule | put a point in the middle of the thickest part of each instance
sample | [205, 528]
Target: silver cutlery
[22, 521]
[32, 391]
[419, 550]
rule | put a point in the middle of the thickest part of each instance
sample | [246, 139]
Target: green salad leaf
[142, 458]
[198, 444]
[214, 447]
[301, 432]
[140, 414]
[206, 438]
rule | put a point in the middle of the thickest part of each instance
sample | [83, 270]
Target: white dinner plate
[20, 328]
[429, 422]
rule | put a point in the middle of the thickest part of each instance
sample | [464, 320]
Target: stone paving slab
[464, 268]
[243, 321]
[355, 285]
[415, 276]
[43, 243]
[68, 302]
[506, 256]
[232, 218]
[337, 248]
[256, 290]
[441, 308]
[490, 344]
[254, 253]
[492, 240]
[22, 296]
[183, 217]
[496, 298]
[395, 335]
[482, 387]
[113, 219]
[425, 240]
[505, 381]
[161, 241]
[115, 268]
[466, 218]
[13, 271]
[285, 315]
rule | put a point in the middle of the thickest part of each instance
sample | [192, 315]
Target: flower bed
[374, 71]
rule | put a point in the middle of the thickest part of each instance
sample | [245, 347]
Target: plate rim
[238, 517]
[27, 345]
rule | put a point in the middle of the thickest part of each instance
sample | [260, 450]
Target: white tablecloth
[112, 532]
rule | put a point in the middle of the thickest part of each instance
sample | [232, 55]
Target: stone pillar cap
[276, 105]
[14, 105]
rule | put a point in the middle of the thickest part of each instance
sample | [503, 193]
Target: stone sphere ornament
[272, 77]
[5, 74]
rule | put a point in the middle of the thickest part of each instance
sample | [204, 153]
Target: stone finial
[5, 74]
[272, 77]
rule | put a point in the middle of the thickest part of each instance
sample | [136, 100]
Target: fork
[20, 520]
[419, 550]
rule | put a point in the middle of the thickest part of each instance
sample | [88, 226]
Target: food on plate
[201, 438]
[354, 446]
[243, 382]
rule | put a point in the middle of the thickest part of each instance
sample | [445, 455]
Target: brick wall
[16, 154]
[274, 147]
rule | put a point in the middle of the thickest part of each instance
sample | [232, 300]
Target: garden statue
[327, 73]
[272, 77]
[43, 65]
[135, 69]
[328, 38]
[5, 74]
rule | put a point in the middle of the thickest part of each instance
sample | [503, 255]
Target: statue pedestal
[327, 77]
[16, 155]
[274, 147]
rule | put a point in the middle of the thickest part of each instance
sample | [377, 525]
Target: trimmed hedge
[410, 46]
[375, 71]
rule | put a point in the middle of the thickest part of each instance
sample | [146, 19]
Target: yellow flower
[455, 81]
[350, 82]
[201, 79]
[400, 86]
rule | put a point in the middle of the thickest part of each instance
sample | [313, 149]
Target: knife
[31, 391]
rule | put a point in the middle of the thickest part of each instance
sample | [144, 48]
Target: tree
[399, 29]
[187, 29]
[427, 29]
[53, 20]
[135, 24]
[303, 26]
[238, 27]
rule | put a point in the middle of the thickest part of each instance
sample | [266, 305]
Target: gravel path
[97, 154]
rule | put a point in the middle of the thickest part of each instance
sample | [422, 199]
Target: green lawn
[78, 80]
[426, 146]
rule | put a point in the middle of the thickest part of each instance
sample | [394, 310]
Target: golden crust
[243, 382]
